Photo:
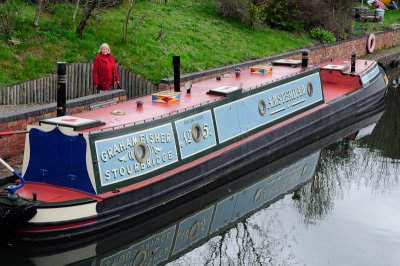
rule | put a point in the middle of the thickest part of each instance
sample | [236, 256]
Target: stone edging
[51, 107]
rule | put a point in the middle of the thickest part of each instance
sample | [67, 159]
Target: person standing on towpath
[105, 72]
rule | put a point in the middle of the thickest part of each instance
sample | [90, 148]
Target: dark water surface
[335, 202]
[348, 214]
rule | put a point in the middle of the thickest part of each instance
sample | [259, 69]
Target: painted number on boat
[195, 133]
[131, 155]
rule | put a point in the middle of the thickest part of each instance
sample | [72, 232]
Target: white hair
[104, 45]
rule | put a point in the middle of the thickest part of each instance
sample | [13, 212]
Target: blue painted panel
[223, 213]
[58, 159]
[227, 120]
[193, 229]
[280, 102]
[150, 251]
[117, 160]
[187, 144]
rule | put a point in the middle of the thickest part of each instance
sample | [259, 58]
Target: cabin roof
[128, 113]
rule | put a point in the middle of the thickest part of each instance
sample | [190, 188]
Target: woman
[104, 69]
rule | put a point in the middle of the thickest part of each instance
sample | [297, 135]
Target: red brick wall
[343, 49]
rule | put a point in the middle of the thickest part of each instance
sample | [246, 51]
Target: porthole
[310, 89]
[141, 152]
[262, 107]
[197, 132]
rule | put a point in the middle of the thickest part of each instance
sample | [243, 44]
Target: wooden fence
[79, 84]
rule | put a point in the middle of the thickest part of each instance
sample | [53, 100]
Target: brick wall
[343, 49]
[14, 145]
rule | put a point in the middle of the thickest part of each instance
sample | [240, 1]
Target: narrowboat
[91, 171]
[157, 239]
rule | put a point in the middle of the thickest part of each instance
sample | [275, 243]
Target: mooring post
[353, 61]
[61, 88]
[176, 61]
[304, 58]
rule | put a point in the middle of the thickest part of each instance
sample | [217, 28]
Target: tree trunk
[128, 16]
[88, 13]
[75, 10]
[37, 13]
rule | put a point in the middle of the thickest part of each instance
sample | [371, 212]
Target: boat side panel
[128, 156]
[268, 106]
[195, 133]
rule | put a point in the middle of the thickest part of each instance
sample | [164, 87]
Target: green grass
[192, 29]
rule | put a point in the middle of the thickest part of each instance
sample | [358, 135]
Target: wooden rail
[79, 84]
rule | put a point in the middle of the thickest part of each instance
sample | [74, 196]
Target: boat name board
[259, 109]
[195, 133]
[131, 155]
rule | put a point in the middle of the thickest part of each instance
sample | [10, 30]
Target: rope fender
[15, 216]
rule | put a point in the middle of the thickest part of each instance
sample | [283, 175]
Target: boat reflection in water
[162, 238]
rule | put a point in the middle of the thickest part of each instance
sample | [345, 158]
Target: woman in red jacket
[104, 69]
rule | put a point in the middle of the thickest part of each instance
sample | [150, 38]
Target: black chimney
[176, 61]
[353, 61]
[61, 88]
[304, 58]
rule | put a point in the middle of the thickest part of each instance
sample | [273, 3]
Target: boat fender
[371, 43]
[15, 216]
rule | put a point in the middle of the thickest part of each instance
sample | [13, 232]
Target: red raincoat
[104, 72]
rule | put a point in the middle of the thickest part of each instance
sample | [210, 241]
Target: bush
[322, 35]
[284, 15]
[332, 15]
[9, 13]
[249, 12]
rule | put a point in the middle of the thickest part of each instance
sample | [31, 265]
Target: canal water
[347, 214]
[335, 202]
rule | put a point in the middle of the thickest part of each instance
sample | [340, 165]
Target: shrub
[333, 15]
[249, 12]
[322, 35]
[284, 15]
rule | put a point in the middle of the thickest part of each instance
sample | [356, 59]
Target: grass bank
[191, 29]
